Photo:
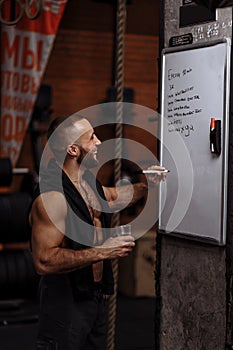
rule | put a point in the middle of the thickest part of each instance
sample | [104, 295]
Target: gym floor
[134, 324]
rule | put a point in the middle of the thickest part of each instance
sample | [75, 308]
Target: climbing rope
[119, 83]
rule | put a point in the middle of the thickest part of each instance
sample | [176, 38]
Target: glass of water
[123, 230]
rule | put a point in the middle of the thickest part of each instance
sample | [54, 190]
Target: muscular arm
[123, 196]
[48, 227]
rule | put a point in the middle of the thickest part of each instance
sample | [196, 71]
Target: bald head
[63, 132]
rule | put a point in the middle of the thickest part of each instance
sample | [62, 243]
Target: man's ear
[73, 150]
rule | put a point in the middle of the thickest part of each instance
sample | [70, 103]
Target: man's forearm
[62, 260]
[127, 195]
[140, 190]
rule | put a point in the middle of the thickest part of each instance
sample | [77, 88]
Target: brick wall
[81, 69]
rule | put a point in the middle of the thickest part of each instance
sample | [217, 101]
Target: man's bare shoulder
[52, 204]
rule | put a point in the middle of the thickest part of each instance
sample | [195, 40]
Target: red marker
[212, 124]
[212, 127]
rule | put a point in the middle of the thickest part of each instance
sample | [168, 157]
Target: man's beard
[88, 159]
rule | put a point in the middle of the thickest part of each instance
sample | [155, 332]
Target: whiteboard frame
[221, 240]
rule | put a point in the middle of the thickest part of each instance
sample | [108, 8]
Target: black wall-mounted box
[191, 14]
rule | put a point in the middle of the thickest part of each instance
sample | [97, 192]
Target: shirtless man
[71, 247]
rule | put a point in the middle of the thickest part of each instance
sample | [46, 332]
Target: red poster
[26, 48]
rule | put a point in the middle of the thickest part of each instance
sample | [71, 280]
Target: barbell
[7, 172]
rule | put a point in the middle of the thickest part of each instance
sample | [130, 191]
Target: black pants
[65, 324]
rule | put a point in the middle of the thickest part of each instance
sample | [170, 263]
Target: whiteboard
[195, 88]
